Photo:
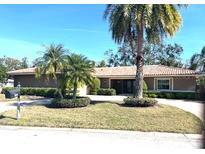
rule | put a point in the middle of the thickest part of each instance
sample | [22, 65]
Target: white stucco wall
[82, 90]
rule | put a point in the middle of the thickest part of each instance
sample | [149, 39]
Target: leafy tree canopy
[13, 63]
[197, 61]
[3, 74]
[169, 55]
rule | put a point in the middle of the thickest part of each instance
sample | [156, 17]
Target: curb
[103, 131]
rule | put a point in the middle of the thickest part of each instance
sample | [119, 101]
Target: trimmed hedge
[70, 103]
[136, 102]
[45, 92]
[102, 91]
[53, 93]
[173, 95]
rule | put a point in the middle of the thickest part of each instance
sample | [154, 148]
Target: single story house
[157, 78]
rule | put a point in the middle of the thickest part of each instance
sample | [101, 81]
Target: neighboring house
[8, 83]
[157, 78]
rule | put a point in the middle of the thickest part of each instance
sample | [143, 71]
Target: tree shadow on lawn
[100, 102]
[3, 117]
[142, 107]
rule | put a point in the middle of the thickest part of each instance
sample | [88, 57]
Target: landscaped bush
[93, 92]
[95, 86]
[45, 92]
[173, 95]
[6, 89]
[70, 103]
[102, 91]
[136, 102]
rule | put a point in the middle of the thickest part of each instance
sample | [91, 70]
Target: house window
[163, 84]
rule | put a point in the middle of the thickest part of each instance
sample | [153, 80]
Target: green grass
[108, 116]
[3, 99]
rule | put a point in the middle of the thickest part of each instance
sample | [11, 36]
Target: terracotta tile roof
[149, 70]
[22, 71]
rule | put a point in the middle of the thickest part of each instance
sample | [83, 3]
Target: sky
[24, 29]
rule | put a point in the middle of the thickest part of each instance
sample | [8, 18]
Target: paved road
[91, 141]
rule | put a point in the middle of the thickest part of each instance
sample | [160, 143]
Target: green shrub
[173, 95]
[145, 95]
[136, 102]
[102, 91]
[169, 95]
[152, 95]
[70, 103]
[93, 92]
[180, 95]
[95, 86]
[45, 92]
[6, 89]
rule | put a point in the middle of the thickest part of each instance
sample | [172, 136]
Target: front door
[128, 86]
[123, 86]
[117, 85]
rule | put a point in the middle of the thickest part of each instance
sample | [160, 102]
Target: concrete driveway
[193, 106]
[12, 105]
[104, 98]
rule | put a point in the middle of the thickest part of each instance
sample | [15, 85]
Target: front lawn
[162, 118]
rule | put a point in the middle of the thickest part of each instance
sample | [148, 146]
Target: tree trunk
[139, 63]
[59, 88]
[203, 69]
[60, 93]
[75, 89]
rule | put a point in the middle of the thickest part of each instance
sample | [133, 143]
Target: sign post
[18, 116]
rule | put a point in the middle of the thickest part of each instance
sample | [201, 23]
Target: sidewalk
[67, 139]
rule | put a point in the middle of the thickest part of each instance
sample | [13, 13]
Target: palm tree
[135, 23]
[197, 61]
[78, 70]
[51, 63]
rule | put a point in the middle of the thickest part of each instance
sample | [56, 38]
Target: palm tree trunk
[139, 63]
[59, 88]
[75, 89]
[203, 69]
